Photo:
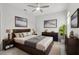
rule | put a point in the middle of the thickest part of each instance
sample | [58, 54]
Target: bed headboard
[19, 31]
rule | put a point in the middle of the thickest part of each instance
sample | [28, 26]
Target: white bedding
[42, 45]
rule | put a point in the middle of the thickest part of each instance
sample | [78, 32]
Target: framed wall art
[50, 23]
[20, 22]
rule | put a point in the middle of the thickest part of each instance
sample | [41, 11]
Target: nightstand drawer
[9, 46]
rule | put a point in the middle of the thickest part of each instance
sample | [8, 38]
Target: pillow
[17, 34]
[21, 34]
[25, 34]
[29, 33]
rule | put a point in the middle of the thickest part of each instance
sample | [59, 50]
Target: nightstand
[7, 44]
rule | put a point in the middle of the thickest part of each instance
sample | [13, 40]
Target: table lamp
[9, 31]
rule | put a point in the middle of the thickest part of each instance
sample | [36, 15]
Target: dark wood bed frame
[28, 49]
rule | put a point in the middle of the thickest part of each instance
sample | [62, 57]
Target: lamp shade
[9, 31]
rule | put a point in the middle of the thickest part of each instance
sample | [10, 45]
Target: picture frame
[20, 22]
[50, 23]
[75, 19]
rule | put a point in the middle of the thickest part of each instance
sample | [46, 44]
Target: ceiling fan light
[38, 8]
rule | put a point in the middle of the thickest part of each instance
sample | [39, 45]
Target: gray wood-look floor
[57, 49]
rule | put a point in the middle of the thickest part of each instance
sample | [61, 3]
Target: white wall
[72, 8]
[0, 20]
[61, 19]
[8, 19]
[0, 23]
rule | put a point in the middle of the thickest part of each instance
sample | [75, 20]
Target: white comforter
[42, 45]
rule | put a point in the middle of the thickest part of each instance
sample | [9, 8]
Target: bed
[31, 44]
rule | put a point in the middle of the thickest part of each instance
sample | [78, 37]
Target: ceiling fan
[38, 7]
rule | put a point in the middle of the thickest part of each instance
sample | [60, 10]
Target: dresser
[72, 45]
[51, 34]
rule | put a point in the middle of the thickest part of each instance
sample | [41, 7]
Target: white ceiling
[54, 7]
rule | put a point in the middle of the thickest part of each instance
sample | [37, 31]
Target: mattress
[42, 45]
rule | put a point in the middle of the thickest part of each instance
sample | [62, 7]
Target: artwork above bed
[20, 22]
[50, 23]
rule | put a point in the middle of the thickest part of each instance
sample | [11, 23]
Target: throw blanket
[33, 41]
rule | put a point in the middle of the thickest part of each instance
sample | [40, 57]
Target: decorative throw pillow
[17, 34]
[21, 35]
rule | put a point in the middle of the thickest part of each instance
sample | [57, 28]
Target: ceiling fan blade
[33, 10]
[44, 6]
[32, 6]
[41, 10]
